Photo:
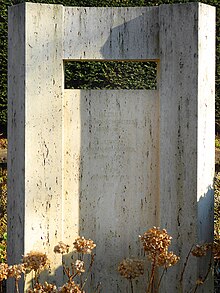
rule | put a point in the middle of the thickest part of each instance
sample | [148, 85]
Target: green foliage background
[85, 74]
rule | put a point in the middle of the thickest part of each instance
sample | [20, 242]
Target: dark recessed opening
[110, 75]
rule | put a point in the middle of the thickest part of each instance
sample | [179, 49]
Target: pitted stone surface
[110, 164]
[111, 181]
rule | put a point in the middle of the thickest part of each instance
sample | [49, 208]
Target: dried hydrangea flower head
[3, 271]
[16, 271]
[200, 250]
[83, 245]
[36, 261]
[155, 241]
[167, 259]
[79, 266]
[46, 287]
[131, 268]
[216, 250]
[71, 286]
[61, 248]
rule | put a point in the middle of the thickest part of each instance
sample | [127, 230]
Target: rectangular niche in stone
[110, 75]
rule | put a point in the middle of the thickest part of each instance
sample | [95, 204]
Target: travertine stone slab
[109, 164]
[35, 132]
[111, 181]
[187, 85]
[111, 33]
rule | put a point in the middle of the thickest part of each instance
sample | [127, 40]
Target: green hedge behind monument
[88, 75]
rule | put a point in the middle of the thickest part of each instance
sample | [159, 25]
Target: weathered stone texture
[111, 34]
[187, 34]
[111, 149]
[35, 131]
[109, 164]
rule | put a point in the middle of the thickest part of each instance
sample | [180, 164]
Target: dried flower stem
[16, 286]
[80, 277]
[150, 285]
[98, 288]
[132, 288]
[89, 270]
[185, 264]
[36, 279]
[67, 272]
[161, 277]
[206, 275]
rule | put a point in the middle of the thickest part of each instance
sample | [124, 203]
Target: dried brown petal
[16, 271]
[3, 271]
[79, 266]
[199, 282]
[36, 261]
[200, 250]
[170, 259]
[83, 245]
[61, 248]
[131, 268]
[155, 241]
[216, 250]
[71, 286]
[40, 288]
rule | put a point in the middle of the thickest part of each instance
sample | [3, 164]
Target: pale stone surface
[206, 130]
[187, 68]
[111, 150]
[35, 131]
[114, 33]
[109, 163]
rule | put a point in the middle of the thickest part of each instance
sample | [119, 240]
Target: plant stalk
[150, 285]
[132, 288]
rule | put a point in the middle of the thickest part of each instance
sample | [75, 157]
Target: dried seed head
[170, 259]
[40, 288]
[36, 261]
[131, 268]
[216, 250]
[200, 250]
[70, 287]
[16, 271]
[83, 245]
[79, 266]
[3, 271]
[155, 241]
[199, 282]
[61, 248]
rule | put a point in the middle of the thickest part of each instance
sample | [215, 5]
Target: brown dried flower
[79, 266]
[15, 271]
[83, 245]
[61, 248]
[36, 261]
[170, 259]
[216, 250]
[131, 268]
[199, 282]
[155, 241]
[70, 287]
[200, 250]
[46, 287]
[3, 271]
